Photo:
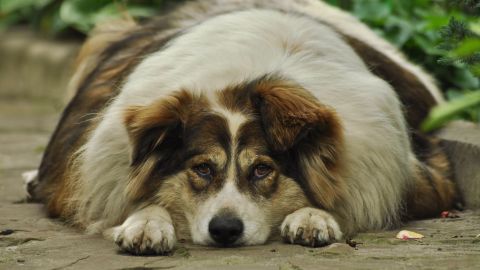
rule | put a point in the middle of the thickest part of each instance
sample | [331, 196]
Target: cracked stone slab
[47, 64]
[462, 143]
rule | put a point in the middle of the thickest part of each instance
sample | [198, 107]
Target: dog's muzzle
[225, 229]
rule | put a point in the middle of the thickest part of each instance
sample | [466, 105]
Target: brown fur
[159, 125]
[434, 189]
[289, 112]
[413, 94]
[178, 198]
[299, 127]
[303, 136]
[104, 62]
[181, 191]
[202, 185]
[254, 149]
[297, 120]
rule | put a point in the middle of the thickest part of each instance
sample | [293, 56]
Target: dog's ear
[296, 122]
[290, 115]
[156, 136]
[158, 126]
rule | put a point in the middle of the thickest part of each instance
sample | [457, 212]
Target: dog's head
[230, 168]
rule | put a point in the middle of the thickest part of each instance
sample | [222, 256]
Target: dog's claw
[299, 234]
[141, 237]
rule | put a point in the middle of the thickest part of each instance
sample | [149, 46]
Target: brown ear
[156, 125]
[156, 136]
[296, 122]
[290, 115]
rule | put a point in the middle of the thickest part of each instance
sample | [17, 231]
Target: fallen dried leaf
[449, 214]
[405, 235]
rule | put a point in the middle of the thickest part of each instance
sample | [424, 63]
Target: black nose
[225, 229]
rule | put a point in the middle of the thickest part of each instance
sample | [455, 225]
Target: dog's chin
[240, 243]
[237, 244]
[211, 243]
[234, 245]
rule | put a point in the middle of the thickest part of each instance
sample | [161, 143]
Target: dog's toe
[310, 227]
[143, 237]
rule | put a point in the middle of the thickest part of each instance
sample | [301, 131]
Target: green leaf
[436, 21]
[80, 13]
[443, 113]
[84, 14]
[475, 27]
[398, 30]
[372, 10]
[464, 78]
[454, 94]
[8, 6]
[427, 45]
[467, 48]
[50, 22]
[475, 70]
[116, 10]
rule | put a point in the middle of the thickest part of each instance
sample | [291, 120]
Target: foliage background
[443, 36]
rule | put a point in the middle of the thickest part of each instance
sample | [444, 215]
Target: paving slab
[35, 67]
[30, 240]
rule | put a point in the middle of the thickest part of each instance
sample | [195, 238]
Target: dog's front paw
[310, 227]
[145, 236]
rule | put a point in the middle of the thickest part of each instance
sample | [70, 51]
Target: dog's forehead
[222, 124]
[207, 129]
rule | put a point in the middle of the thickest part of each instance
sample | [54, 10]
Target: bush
[55, 17]
[443, 36]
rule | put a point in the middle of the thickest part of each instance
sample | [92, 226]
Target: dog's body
[224, 121]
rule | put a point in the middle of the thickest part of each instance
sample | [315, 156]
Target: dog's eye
[261, 170]
[203, 170]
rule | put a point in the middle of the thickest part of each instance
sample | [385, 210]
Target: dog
[230, 123]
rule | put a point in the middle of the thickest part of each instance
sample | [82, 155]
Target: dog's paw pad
[310, 227]
[143, 237]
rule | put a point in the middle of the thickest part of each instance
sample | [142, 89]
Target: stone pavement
[29, 240]
[35, 67]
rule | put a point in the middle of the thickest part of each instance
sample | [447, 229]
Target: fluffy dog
[229, 122]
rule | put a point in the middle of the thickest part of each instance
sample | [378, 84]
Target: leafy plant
[443, 36]
[55, 17]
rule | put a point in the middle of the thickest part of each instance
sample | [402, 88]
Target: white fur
[230, 49]
[310, 226]
[349, 25]
[30, 180]
[234, 119]
[149, 229]
[29, 176]
[256, 227]
[342, 21]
